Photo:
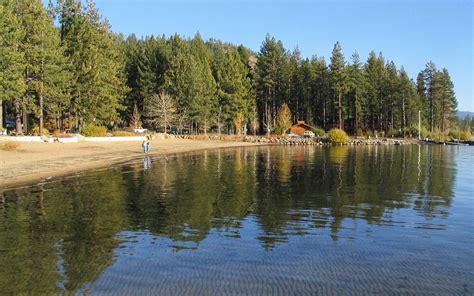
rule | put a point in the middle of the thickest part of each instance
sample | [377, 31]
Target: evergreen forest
[62, 68]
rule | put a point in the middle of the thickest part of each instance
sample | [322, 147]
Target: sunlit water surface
[265, 220]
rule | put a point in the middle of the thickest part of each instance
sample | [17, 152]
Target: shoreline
[35, 162]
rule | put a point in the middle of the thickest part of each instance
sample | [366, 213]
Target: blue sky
[408, 32]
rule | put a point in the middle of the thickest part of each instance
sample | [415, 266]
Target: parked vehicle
[10, 123]
[309, 134]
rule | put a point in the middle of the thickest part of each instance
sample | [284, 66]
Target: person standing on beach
[145, 146]
[148, 146]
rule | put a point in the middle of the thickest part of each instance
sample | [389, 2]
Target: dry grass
[9, 146]
[124, 134]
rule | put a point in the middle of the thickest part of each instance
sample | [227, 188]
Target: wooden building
[300, 128]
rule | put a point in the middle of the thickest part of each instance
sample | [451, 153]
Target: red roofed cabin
[300, 128]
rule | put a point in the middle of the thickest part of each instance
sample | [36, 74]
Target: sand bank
[32, 162]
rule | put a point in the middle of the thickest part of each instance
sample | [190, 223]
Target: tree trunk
[18, 116]
[356, 122]
[25, 121]
[41, 123]
[324, 114]
[1, 113]
[404, 123]
[341, 124]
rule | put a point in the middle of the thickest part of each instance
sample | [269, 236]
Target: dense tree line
[78, 72]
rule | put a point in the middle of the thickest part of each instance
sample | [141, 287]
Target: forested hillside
[63, 68]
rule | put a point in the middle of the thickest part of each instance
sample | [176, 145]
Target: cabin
[300, 128]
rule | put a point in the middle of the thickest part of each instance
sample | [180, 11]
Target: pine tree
[132, 51]
[305, 91]
[45, 69]
[339, 80]
[12, 84]
[233, 85]
[392, 100]
[448, 102]
[432, 86]
[409, 102]
[99, 85]
[374, 71]
[320, 91]
[204, 104]
[356, 86]
[177, 77]
[295, 84]
[269, 80]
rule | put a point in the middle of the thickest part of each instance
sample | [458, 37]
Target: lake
[259, 220]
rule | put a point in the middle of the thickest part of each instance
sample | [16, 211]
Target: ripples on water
[266, 220]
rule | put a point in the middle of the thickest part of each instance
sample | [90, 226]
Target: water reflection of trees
[338, 183]
[60, 235]
[65, 232]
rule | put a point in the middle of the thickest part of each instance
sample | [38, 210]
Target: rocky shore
[316, 141]
[322, 141]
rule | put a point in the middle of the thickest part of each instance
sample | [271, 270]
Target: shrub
[393, 133]
[413, 131]
[318, 132]
[278, 131]
[123, 134]
[465, 136]
[35, 130]
[94, 131]
[9, 146]
[436, 134]
[369, 133]
[337, 136]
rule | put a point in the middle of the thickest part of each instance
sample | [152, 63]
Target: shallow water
[264, 220]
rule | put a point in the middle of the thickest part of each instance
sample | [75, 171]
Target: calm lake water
[264, 220]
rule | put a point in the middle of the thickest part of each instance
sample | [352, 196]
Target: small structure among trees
[300, 128]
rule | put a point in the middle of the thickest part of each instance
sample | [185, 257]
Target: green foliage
[278, 131]
[424, 132]
[81, 73]
[461, 135]
[91, 130]
[234, 88]
[336, 135]
[98, 80]
[338, 79]
[318, 132]
[12, 84]
[394, 133]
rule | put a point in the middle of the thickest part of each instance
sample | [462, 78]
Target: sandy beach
[32, 162]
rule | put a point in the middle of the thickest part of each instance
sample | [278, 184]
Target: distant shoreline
[33, 162]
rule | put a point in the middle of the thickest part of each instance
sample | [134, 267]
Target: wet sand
[32, 162]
